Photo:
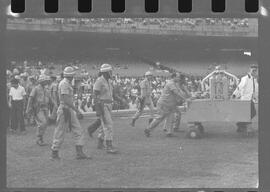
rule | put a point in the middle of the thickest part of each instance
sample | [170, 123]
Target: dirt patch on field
[221, 159]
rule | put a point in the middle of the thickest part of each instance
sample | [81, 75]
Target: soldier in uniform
[171, 95]
[67, 118]
[176, 118]
[30, 86]
[103, 99]
[38, 106]
[145, 98]
[55, 98]
[96, 124]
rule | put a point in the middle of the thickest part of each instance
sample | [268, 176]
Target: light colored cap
[105, 68]
[17, 77]
[43, 78]
[148, 73]
[15, 71]
[69, 72]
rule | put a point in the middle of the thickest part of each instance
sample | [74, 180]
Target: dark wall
[91, 46]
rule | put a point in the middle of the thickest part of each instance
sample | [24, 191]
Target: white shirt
[17, 94]
[132, 106]
[247, 88]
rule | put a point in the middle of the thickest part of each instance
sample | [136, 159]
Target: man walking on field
[145, 98]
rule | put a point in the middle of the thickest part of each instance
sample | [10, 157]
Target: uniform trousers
[63, 126]
[106, 130]
[164, 112]
[175, 122]
[41, 119]
[139, 112]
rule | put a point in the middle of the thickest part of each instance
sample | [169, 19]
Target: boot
[241, 127]
[93, 127]
[109, 147]
[133, 123]
[55, 155]
[80, 154]
[169, 135]
[147, 132]
[40, 141]
[100, 144]
[150, 121]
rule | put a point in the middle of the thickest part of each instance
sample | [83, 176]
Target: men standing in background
[54, 97]
[38, 106]
[16, 102]
[247, 89]
[30, 86]
[103, 99]
[145, 98]
[67, 118]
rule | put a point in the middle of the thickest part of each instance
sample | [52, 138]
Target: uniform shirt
[41, 95]
[23, 83]
[53, 91]
[29, 88]
[146, 90]
[247, 88]
[105, 88]
[171, 94]
[65, 88]
[17, 94]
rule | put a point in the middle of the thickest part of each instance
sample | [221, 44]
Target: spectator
[16, 102]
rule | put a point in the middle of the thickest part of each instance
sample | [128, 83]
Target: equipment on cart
[219, 107]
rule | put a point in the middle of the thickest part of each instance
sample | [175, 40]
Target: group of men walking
[173, 95]
[59, 100]
[57, 103]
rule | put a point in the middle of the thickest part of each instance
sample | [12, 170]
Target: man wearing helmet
[145, 98]
[172, 94]
[23, 83]
[54, 96]
[103, 99]
[30, 86]
[38, 106]
[96, 124]
[176, 117]
[66, 118]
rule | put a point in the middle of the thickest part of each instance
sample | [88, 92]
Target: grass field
[221, 159]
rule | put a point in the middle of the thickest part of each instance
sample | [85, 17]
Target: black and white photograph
[132, 102]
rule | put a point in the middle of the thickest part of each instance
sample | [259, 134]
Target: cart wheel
[249, 134]
[249, 131]
[200, 127]
[194, 133]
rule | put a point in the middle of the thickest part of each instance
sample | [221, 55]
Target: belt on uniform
[106, 101]
[17, 100]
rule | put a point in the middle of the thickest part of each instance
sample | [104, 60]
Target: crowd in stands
[163, 23]
[126, 88]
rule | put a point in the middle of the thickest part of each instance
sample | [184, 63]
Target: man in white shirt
[247, 89]
[16, 102]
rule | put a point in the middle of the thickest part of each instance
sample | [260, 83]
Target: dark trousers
[17, 118]
[243, 125]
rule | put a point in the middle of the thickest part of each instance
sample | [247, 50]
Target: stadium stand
[184, 26]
